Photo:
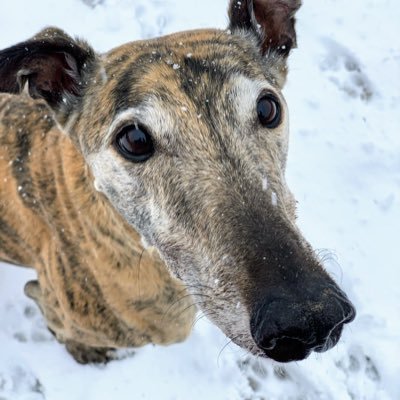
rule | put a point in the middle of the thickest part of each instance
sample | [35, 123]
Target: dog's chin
[250, 347]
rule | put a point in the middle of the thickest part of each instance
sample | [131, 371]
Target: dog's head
[186, 135]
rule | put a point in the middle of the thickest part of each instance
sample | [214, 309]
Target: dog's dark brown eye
[269, 111]
[134, 143]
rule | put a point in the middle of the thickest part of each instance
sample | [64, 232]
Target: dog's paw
[87, 355]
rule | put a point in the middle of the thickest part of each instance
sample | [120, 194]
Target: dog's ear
[51, 66]
[271, 21]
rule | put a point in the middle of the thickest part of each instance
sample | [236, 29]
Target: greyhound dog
[148, 181]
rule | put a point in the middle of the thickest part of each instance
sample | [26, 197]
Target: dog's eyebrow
[122, 93]
[244, 93]
[150, 112]
[128, 115]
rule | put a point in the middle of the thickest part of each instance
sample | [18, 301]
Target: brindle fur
[98, 286]
[212, 200]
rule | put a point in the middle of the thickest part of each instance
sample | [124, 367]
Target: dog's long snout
[290, 329]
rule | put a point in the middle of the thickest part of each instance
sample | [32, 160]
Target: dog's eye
[269, 111]
[134, 143]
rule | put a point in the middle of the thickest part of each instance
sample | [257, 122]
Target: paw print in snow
[18, 383]
[345, 71]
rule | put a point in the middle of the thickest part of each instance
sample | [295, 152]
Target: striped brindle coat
[175, 147]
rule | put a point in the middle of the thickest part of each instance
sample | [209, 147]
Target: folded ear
[272, 21]
[51, 64]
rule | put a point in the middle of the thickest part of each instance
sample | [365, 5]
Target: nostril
[342, 306]
[287, 331]
[267, 343]
[282, 331]
[284, 345]
[350, 313]
[285, 349]
[331, 340]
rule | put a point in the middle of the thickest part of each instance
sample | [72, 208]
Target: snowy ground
[344, 167]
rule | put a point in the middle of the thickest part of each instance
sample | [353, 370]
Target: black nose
[289, 330]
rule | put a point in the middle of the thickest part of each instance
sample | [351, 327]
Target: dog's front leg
[50, 309]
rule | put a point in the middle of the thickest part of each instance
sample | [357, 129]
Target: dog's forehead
[206, 43]
[194, 63]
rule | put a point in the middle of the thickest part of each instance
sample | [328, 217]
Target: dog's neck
[80, 206]
[88, 259]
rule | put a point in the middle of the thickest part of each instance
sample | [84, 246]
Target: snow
[343, 93]
[274, 199]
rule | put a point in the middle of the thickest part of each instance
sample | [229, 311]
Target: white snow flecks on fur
[274, 199]
[264, 183]
[344, 169]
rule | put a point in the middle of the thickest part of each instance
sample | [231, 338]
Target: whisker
[326, 256]
[180, 299]
[225, 346]
[190, 305]
[199, 285]
[192, 286]
[183, 297]
[138, 274]
[203, 314]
